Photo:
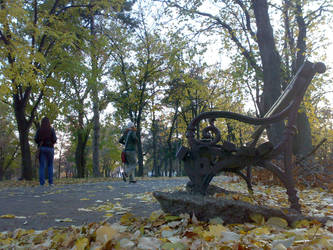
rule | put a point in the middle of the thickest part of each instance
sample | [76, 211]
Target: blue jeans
[46, 159]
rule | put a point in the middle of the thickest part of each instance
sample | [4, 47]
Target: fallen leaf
[259, 231]
[81, 243]
[84, 210]
[63, 220]
[149, 243]
[126, 243]
[258, 219]
[286, 242]
[300, 224]
[277, 222]
[105, 233]
[173, 246]
[230, 236]
[7, 216]
[108, 215]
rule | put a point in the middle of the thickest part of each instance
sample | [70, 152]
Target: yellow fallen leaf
[108, 215]
[84, 199]
[6, 241]
[259, 231]
[300, 224]
[127, 219]
[38, 239]
[110, 187]
[324, 243]
[258, 219]
[7, 216]
[42, 213]
[246, 199]
[81, 244]
[215, 231]
[58, 237]
[172, 218]
[277, 222]
[153, 216]
[105, 233]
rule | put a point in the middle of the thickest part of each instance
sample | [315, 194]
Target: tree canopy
[92, 66]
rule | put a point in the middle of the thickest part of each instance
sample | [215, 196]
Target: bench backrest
[294, 91]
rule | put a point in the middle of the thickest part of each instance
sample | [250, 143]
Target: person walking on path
[130, 140]
[45, 137]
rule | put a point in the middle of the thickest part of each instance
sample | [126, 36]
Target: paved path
[40, 208]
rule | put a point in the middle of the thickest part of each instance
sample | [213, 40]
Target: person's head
[45, 129]
[130, 125]
[45, 124]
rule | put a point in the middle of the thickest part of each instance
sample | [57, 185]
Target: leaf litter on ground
[164, 231]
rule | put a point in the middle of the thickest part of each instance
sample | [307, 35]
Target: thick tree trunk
[95, 99]
[23, 129]
[82, 139]
[79, 157]
[270, 62]
[303, 140]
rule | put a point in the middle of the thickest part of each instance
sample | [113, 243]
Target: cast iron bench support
[208, 156]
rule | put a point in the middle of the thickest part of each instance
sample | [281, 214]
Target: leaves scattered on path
[162, 231]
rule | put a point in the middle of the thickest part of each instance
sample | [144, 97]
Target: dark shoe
[132, 181]
[124, 176]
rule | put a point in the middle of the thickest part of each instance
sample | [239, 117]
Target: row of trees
[73, 60]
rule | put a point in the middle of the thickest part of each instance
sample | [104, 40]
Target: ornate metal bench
[208, 156]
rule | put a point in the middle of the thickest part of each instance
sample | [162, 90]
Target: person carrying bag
[129, 157]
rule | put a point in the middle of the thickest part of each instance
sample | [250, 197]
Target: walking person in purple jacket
[45, 137]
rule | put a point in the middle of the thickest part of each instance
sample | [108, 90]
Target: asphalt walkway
[77, 204]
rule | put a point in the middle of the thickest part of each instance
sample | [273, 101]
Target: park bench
[208, 156]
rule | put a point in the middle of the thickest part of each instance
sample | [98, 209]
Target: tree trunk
[82, 139]
[172, 129]
[60, 156]
[95, 99]
[23, 129]
[302, 140]
[154, 135]
[270, 62]
[2, 168]
[80, 156]
[140, 154]
[96, 136]
[170, 159]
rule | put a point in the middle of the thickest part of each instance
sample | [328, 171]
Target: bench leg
[288, 182]
[290, 132]
[248, 181]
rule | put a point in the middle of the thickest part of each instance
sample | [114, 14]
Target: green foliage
[9, 154]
